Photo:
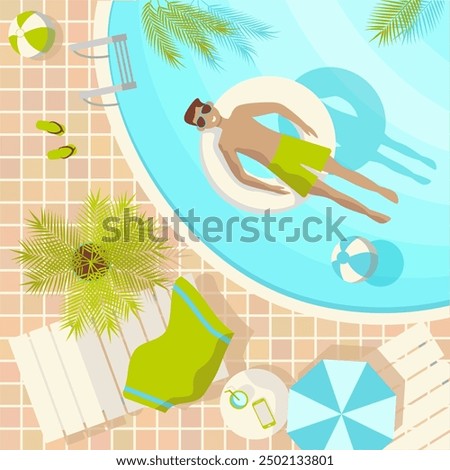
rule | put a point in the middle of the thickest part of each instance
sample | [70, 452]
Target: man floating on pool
[287, 157]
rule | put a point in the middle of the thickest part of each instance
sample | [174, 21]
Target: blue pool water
[390, 108]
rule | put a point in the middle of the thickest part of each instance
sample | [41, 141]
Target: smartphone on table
[264, 413]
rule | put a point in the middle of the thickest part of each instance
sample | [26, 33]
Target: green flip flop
[51, 127]
[63, 152]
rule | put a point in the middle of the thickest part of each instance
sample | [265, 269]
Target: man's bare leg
[322, 189]
[334, 168]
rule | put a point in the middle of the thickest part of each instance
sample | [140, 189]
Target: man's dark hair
[190, 113]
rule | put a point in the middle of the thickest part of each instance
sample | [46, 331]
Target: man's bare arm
[241, 175]
[260, 109]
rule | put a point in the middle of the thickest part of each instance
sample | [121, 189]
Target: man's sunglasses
[206, 109]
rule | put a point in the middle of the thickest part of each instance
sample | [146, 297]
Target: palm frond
[50, 275]
[140, 259]
[140, 234]
[54, 230]
[121, 304]
[192, 27]
[79, 306]
[142, 278]
[97, 306]
[118, 206]
[158, 36]
[104, 318]
[118, 210]
[392, 18]
[47, 256]
[431, 12]
[146, 268]
[91, 219]
[247, 25]
[129, 281]
[199, 19]
[201, 29]
[116, 307]
[240, 45]
[37, 251]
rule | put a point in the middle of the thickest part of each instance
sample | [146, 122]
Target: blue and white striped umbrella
[341, 405]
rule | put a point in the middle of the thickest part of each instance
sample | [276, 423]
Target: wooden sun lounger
[74, 384]
[412, 365]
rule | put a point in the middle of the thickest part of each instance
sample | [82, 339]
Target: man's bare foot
[388, 194]
[379, 217]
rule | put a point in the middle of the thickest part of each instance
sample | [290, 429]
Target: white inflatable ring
[297, 98]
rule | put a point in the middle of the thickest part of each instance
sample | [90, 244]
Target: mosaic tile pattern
[266, 334]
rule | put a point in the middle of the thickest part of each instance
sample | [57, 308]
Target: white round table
[265, 412]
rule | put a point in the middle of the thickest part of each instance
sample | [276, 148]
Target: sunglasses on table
[206, 109]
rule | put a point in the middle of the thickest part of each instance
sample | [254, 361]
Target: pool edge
[118, 127]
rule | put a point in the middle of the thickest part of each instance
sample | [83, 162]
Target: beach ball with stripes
[31, 34]
[354, 259]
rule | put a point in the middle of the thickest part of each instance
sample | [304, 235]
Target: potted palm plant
[100, 268]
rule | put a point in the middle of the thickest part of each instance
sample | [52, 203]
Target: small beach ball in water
[354, 260]
[31, 34]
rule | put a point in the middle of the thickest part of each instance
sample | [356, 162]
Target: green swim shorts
[291, 158]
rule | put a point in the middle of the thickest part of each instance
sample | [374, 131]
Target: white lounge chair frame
[412, 365]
